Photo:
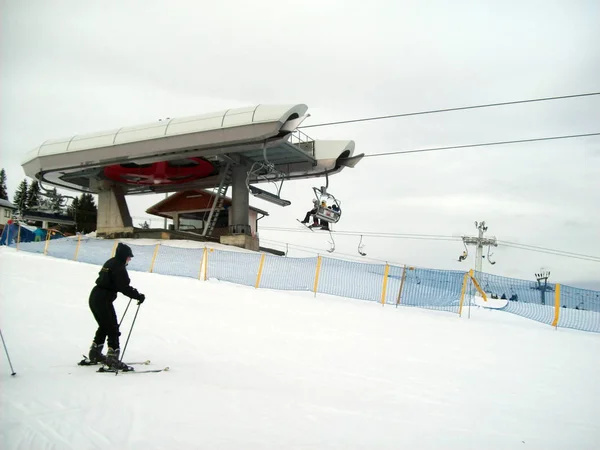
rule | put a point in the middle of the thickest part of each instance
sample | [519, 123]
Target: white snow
[260, 369]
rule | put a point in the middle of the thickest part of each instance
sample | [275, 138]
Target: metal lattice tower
[479, 242]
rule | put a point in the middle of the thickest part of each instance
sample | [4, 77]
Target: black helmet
[123, 252]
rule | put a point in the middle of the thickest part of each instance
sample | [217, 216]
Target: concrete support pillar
[240, 231]
[241, 198]
[113, 213]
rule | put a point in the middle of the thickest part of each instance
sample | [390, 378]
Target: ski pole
[128, 336]
[7, 355]
[123, 316]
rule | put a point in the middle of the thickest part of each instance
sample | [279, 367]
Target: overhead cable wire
[537, 247]
[515, 245]
[459, 108]
[373, 234]
[485, 144]
[317, 251]
[553, 252]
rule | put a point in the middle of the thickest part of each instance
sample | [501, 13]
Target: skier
[112, 278]
[312, 212]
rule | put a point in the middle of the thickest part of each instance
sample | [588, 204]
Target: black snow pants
[310, 213]
[101, 304]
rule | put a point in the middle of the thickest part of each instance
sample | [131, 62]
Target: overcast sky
[72, 67]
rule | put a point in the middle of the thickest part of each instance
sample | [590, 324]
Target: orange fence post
[260, 269]
[206, 265]
[18, 237]
[318, 271]
[202, 264]
[77, 248]
[401, 285]
[462, 293]
[556, 306]
[476, 284]
[47, 243]
[154, 257]
[385, 281]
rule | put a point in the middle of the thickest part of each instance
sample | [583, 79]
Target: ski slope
[262, 369]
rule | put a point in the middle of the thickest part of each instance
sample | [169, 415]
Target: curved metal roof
[221, 120]
[256, 134]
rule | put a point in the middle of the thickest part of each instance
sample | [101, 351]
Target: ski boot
[95, 355]
[112, 360]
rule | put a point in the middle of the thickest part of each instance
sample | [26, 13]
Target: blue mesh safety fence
[62, 248]
[351, 279]
[524, 298]
[393, 284]
[432, 289]
[33, 247]
[93, 251]
[235, 267]
[294, 274]
[142, 257]
[422, 288]
[179, 261]
[579, 309]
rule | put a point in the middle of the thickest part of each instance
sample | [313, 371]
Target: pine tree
[87, 213]
[33, 195]
[74, 207]
[3, 189]
[20, 198]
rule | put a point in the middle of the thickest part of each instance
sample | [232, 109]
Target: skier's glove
[141, 299]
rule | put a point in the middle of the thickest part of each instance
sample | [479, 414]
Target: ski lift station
[239, 147]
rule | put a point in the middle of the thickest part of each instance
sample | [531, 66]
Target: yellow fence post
[114, 249]
[18, 237]
[206, 265]
[202, 264]
[317, 273]
[47, 243]
[401, 285]
[476, 284]
[154, 257]
[77, 248]
[462, 293]
[385, 281]
[556, 306]
[260, 269]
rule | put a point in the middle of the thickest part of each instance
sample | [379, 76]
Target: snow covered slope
[260, 369]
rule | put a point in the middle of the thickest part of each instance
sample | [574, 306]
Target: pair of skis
[108, 370]
[103, 369]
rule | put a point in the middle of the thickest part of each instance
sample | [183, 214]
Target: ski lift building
[236, 148]
[189, 211]
[7, 209]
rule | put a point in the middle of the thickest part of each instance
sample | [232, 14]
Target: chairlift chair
[489, 255]
[465, 253]
[360, 247]
[265, 171]
[328, 207]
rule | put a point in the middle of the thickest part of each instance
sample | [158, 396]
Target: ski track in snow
[259, 369]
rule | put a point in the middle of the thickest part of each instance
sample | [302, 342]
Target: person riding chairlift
[324, 223]
[312, 212]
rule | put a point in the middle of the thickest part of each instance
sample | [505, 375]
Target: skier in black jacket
[113, 278]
